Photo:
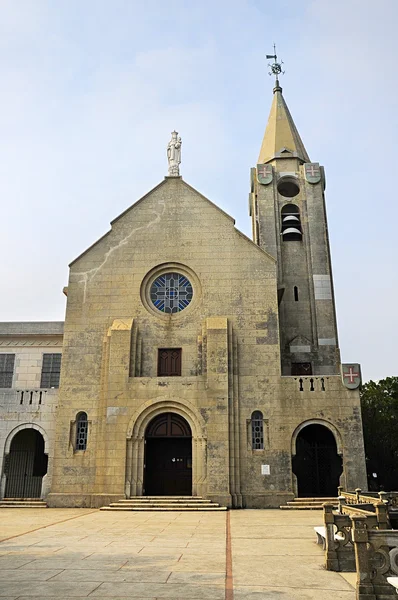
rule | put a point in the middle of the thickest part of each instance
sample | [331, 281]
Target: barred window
[6, 370]
[81, 431]
[257, 430]
[50, 371]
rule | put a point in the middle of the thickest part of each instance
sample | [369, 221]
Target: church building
[193, 360]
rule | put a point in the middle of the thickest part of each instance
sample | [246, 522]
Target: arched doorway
[168, 456]
[316, 464]
[26, 465]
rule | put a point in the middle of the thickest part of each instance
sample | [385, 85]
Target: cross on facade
[351, 375]
[264, 171]
[312, 171]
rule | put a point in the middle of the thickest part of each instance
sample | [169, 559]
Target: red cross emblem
[312, 171]
[264, 174]
[351, 375]
[264, 170]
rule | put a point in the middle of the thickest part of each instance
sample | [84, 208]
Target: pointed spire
[281, 138]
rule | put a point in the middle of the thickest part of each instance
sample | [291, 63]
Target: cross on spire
[276, 66]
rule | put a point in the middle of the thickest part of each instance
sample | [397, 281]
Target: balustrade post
[358, 493]
[383, 497]
[340, 490]
[331, 559]
[364, 586]
[382, 516]
[342, 502]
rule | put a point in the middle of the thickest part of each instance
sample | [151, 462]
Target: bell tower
[287, 206]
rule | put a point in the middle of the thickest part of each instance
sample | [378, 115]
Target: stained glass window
[257, 430]
[171, 292]
[81, 431]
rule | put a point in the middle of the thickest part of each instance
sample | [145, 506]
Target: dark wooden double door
[168, 457]
[317, 465]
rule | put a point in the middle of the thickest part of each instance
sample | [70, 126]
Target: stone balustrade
[376, 558]
[339, 549]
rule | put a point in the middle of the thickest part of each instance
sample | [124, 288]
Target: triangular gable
[148, 194]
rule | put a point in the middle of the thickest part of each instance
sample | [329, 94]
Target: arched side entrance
[168, 456]
[316, 464]
[25, 465]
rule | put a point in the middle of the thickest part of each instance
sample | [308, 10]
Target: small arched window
[81, 431]
[291, 223]
[257, 430]
[296, 296]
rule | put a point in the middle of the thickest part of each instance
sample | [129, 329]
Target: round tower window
[171, 292]
[288, 187]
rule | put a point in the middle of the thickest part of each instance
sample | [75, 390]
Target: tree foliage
[379, 401]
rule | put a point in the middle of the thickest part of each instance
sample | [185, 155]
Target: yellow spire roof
[281, 134]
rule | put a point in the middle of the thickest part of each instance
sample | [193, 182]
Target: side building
[30, 362]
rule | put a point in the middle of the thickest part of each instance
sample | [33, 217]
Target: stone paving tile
[173, 591]
[120, 575]
[284, 593]
[21, 575]
[278, 547]
[202, 578]
[13, 562]
[42, 589]
[61, 563]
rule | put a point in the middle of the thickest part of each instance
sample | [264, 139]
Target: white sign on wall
[265, 470]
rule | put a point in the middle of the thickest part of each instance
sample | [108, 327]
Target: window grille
[6, 370]
[81, 431]
[50, 371]
[257, 430]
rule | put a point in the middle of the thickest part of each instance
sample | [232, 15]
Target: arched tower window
[81, 431]
[257, 430]
[291, 223]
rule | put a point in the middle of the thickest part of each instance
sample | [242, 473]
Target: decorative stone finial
[174, 154]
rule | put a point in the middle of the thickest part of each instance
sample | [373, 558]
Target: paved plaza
[60, 554]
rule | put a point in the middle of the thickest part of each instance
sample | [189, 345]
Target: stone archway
[316, 462]
[136, 444]
[25, 464]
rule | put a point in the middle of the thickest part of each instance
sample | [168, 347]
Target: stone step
[174, 498]
[316, 499]
[304, 503]
[22, 504]
[163, 501]
[164, 508]
[302, 507]
[162, 504]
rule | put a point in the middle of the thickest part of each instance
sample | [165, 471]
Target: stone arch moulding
[16, 430]
[327, 424]
[136, 444]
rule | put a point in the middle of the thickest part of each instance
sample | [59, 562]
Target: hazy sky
[91, 91]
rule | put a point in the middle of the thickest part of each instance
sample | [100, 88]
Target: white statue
[174, 155]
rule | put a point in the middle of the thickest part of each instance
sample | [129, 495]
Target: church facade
[195, 361]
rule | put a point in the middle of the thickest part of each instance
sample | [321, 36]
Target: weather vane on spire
[276, 67]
